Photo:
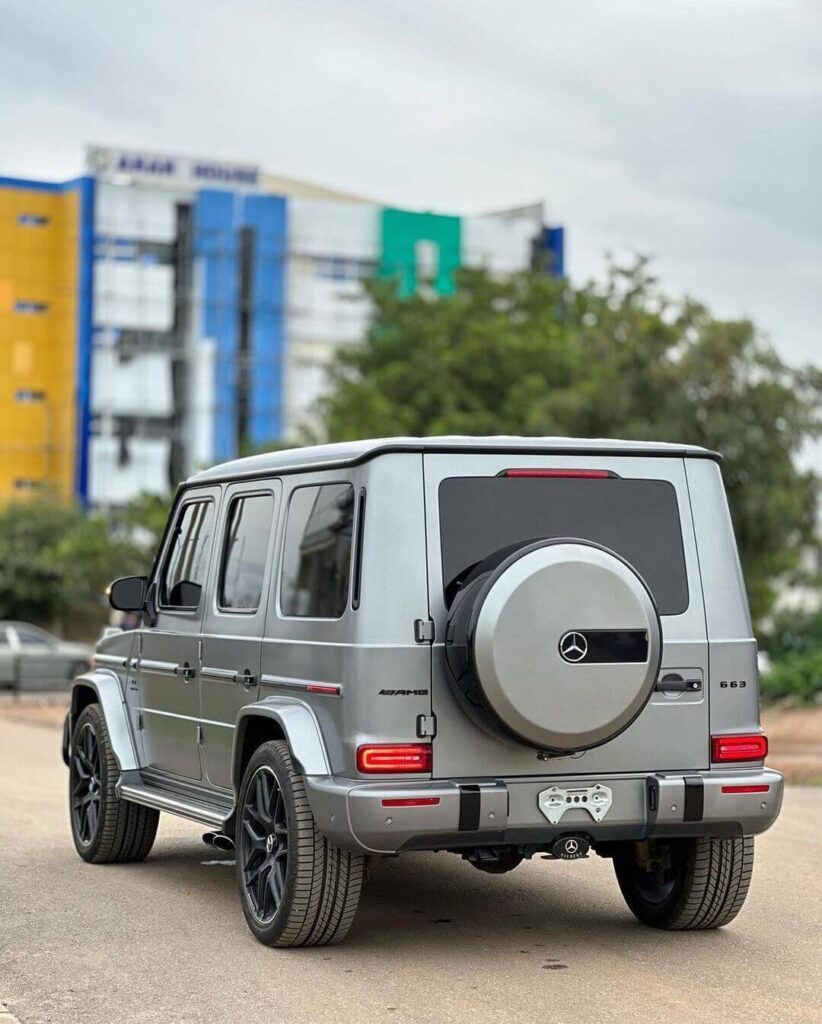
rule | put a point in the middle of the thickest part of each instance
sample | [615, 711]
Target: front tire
[296, 888]
[105, 829]
[686, 884]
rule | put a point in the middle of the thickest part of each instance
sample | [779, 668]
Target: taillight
[580, 474]
[388, 758]
[739, 748]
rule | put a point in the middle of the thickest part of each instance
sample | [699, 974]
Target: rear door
[473, 510]
[233, 627]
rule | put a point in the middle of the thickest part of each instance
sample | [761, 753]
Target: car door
[168, 649]
[234, 621]
[40, 663]
[8, 658]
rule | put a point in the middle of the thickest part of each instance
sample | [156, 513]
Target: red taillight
[387, 758]
[745, 789]
[422, 801]
[580, 474]
[739, 748]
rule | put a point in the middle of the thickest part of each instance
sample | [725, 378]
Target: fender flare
[299, 726]
[106, 686]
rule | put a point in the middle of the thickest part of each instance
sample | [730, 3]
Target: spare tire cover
[558, 646]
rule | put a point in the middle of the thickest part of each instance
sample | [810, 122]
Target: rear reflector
[739, 748]
[323, 688]
[423, 801]
[745, 789]
[384, 758]
[580, 474]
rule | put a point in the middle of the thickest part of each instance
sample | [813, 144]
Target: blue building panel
[85, 307]
[267, 216]
[216, 246]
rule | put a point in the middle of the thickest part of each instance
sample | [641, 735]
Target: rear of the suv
[593, 676]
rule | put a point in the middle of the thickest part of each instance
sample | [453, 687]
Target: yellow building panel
[39, 264]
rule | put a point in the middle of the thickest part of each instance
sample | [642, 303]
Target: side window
[187, 560]
[244, 552]
[317, 551]
[26, 636]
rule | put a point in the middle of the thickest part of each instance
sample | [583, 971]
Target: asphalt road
[435, 940]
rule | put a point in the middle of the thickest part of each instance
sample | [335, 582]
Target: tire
[105, 829]
[698, 883]
[296, 888]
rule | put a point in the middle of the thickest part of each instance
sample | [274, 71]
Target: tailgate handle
[673, 683]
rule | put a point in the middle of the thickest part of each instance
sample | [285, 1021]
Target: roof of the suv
[347, 453]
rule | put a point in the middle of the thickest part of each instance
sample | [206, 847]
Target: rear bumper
[473, 812]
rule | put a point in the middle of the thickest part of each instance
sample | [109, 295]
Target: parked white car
[32, 658]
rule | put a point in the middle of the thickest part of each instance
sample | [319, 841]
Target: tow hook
[571, 848]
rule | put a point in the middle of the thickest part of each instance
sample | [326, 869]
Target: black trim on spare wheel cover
[460, 660]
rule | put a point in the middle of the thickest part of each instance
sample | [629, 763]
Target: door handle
[247, 678]
[186, 671]
[675, 683]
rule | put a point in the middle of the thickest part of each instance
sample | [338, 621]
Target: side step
[205, 810]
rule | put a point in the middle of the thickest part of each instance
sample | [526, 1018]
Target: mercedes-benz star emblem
[573, 646]
[571, 846]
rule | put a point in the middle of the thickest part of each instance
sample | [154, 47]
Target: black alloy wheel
[85, 784]
[264, 844]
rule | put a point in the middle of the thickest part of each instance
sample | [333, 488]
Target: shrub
[796, 677]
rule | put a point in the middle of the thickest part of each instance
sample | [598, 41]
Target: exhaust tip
[218, 841]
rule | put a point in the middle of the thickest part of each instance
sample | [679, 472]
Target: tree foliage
[533, 355]
[54, 558]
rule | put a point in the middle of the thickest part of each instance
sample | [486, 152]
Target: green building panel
[410, 240]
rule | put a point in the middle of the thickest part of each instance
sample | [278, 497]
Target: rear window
[317, 551]
[638, 519]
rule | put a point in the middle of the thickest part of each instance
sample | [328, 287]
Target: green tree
[534, 355]
[55, 558]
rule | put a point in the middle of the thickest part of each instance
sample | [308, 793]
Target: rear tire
[296, 888]
[105, 829]
[686, 884]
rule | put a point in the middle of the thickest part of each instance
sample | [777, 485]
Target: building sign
[131, 166]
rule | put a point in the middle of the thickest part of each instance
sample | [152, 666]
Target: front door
[233, 625]
[168, 651]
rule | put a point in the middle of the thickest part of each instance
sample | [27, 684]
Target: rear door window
[638, 519]
[244, 554]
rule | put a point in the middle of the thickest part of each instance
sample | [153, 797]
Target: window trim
[174, 520]
[232, 498]
[281, 568]
[356, 554]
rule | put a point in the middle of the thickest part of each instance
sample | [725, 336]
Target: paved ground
[435, 940]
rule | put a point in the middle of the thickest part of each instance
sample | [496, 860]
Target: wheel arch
[282, 718]
[103, 687]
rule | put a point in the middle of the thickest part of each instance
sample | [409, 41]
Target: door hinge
[424, 631]
[199, 735]
[426, 726]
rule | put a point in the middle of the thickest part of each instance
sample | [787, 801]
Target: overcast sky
[691, 131]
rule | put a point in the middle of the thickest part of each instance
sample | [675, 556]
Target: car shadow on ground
[436, 902]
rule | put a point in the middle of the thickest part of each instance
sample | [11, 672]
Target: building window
[317, 551]
[27, 306]
[28, 395]
[29, 484]
[32, 220]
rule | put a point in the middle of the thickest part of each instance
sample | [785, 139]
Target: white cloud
[689, 130]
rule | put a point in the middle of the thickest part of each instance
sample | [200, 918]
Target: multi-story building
[163, 313]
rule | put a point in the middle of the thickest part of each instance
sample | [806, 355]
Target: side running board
[208, 811]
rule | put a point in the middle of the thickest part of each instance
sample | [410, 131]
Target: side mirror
[128, 594]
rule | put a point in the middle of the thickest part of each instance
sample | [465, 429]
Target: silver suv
[496, 647]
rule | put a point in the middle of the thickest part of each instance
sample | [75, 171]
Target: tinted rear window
[638, 519]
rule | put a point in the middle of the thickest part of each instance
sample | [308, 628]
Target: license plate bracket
[555, 801]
